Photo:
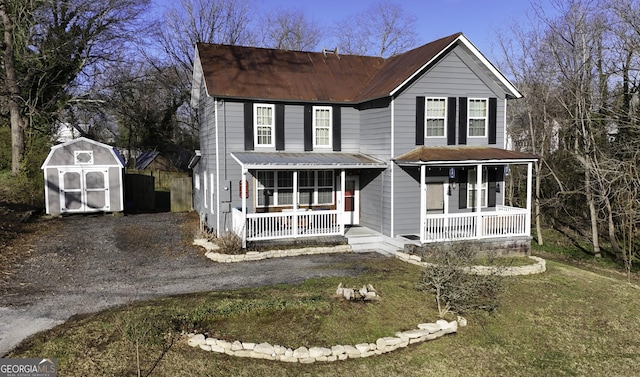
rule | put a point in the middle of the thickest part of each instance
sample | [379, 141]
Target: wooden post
[423, 202]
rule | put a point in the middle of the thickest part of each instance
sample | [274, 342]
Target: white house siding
[375, 187]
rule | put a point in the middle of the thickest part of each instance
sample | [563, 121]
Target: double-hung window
[322, 126]
[477, 117]
[264, 125]
[315, 187]
[275, 188]
[435, 115]
[472, 186]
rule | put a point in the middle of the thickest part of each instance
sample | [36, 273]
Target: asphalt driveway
[87, 263]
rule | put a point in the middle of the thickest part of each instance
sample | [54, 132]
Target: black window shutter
[462, 192]
[462, 120]
[493, 117]
[248, 126]
[419, 120]
[280, 127]
[451, 121]
[492, 175]
[308, 131]
[337, 129]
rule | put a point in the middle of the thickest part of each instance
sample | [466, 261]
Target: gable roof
[113, 150]
[270, 74]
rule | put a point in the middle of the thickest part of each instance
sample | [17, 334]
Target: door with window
[84, 190]
[352, 200]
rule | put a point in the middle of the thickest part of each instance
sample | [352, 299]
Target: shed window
[83, 157]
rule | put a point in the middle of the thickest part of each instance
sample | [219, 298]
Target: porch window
[264, 124]
[471, 189]
[275, 188]
[477, 117]
[315, 187]
[435, 115]
[322, 126]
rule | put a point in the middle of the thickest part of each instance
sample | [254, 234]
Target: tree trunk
[588, 190]
[11, 82]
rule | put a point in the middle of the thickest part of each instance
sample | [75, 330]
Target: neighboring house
[154, 160]
[298, 144]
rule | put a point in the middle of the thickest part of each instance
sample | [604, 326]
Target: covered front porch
[460, 195]
[296, 195]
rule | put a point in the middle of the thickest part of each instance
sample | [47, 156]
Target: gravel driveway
[87, 263]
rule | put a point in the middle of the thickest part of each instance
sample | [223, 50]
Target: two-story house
[299, 144]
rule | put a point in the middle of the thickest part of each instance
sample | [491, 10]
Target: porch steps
[364, 239]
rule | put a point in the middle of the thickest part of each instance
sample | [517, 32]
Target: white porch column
[527, 225]
[243, 176]
[423, 202]
[479, 225]
[343, 178]
[295, 204]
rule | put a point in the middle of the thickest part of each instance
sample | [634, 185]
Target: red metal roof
[260, 73]
[461, 154]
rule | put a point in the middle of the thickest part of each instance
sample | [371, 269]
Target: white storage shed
[83, 175]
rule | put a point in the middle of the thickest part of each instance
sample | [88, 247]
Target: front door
[352, 200]
[435, 197]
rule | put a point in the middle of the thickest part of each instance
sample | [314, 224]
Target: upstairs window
[435, 115]
[322, 126]
[477, 118]
[264, 125]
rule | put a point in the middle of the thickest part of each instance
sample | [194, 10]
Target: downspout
[217, 192]
[391, 167]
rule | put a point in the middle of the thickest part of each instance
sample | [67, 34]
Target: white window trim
[486, 117]
[484, 187]
[330, 145]
[444, 117]
[272, 126]
[316, 187]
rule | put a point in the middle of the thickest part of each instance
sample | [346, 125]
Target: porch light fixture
[449, 190]
[497, 187]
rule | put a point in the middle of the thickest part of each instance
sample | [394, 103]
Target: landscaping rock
[236, 346]
[363, 347]
[462, 322]
[431, 327]
[301, 353]
[264, 348]
[316, 352]
[248, 346]
[196, 340]
[337, 350]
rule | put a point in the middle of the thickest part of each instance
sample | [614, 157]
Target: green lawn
[565, 322]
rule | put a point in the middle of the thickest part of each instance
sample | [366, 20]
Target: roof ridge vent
[334, 51]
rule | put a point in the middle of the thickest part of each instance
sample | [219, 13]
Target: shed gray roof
[306, 160]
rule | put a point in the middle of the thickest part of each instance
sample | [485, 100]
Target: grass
[565, 322]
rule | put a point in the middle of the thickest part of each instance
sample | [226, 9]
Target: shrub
[456, 290]
[230, 243]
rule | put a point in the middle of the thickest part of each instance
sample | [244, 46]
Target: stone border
[211, 253]
[537, 268]
[304, 355]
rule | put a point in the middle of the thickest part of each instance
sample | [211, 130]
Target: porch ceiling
[462, 155]
[306, 160]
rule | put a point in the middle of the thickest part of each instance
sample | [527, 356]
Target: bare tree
[50, 46]
[383, 29]
[291, 30]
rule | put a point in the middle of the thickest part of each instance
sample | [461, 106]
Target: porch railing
[274, 225]
[503, 222]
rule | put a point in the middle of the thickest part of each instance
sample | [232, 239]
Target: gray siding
[456, 75]
[350, 130]
[375, 186]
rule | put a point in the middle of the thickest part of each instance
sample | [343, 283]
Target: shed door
[84, 190]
